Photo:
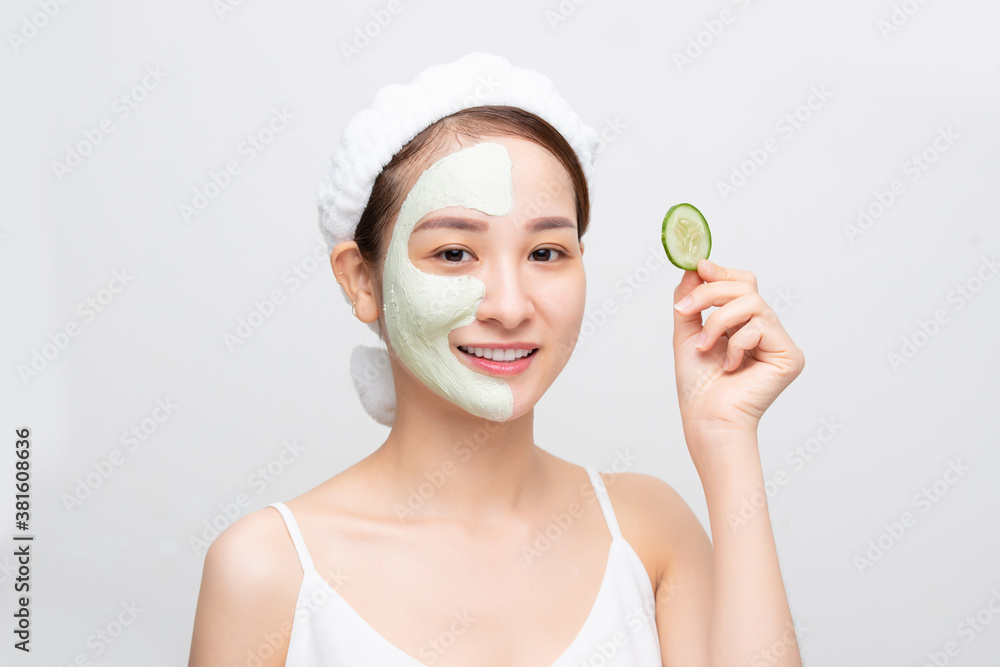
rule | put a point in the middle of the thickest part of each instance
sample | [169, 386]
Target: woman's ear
[581, 246]
[351, 272]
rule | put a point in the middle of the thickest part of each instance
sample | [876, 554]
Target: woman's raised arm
[729, 370]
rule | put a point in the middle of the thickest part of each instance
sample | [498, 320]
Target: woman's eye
[545, 254]
[454, 254]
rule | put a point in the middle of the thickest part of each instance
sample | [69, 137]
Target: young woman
[459, 541]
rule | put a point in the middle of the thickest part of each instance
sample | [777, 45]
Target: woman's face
[487, 304]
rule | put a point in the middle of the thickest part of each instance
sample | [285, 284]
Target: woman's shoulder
[249, 588]
[256, 545]
[254, 561]
[654, 518]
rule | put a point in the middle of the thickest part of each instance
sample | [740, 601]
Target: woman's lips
[495, 366]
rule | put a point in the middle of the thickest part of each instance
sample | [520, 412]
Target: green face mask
[422, 309]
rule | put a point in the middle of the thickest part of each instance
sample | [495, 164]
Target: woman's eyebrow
[471, 225]
[540, 224]
[465, 224]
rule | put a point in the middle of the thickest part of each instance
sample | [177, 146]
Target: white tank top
[620, 630]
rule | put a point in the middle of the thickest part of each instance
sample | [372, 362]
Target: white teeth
[497, 354]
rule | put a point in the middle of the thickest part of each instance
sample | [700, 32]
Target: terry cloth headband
[396, 115]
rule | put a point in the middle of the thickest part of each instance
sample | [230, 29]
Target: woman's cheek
[567, 311]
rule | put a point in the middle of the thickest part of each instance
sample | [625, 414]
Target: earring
[352, 309]
[335, 278]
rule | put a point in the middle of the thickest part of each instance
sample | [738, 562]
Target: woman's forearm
[751, 620]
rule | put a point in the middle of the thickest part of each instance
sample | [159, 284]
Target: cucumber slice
[685, 236]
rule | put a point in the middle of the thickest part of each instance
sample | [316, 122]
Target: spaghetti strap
[328, 631]
[293, 530]
[605, 501]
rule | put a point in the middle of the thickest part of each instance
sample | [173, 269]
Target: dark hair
[391, 185]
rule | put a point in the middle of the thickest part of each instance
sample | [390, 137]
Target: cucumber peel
[685, 236]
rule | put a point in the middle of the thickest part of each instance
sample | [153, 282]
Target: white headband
[396, 115]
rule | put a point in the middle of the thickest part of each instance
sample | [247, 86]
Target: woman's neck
[451, 465]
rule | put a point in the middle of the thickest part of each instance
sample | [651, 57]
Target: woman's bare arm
[751, 620]
[721, 604]
[249, 587]
[729, 369]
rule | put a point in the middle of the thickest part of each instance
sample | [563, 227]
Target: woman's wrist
[721, 448]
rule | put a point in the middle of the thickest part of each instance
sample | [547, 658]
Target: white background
[848, 301]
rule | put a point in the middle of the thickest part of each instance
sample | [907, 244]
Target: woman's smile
[500, 359]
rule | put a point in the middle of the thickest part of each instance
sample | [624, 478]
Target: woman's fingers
[743, 317]
[688, 323]
[752, 326]
[734, 292]
[731, 316]
[713, 294]
[747, 338]
[711, 272]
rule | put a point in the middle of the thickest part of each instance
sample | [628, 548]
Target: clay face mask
[422, 309]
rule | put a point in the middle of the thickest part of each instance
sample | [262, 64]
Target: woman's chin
[523, 405]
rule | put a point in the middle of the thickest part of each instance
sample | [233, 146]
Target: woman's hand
[759, 356]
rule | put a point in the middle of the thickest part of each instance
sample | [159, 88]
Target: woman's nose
[508, 299]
